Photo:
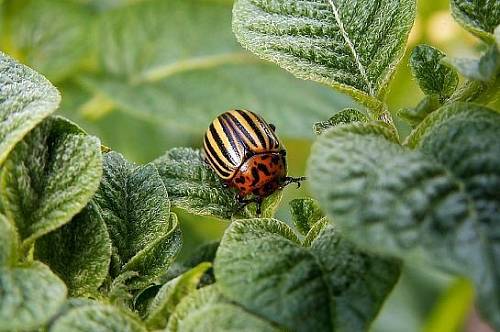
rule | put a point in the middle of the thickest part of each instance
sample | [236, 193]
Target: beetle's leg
[290, 179]
[245, 201]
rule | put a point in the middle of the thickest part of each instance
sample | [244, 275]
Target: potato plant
[90, 240]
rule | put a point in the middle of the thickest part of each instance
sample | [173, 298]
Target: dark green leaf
[97, 317]
[433, 76]
[136, 210]
[305, 213]
[465, 138]
[347, 115]
[53, 36]
[334, 42]
[482, 69]
[26, 98]
[170, 294]
[9, 245]
[49, 177]
[262, 265]
[29, 297]
[415, 115]
[207, 310]
[480, 17]
[78, 252]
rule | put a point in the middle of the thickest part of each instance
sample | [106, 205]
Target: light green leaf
[29, 297]
[78, 252]
[193, 186]
[305, 213]
[333, 41]
[174, 81]
[9, 242]
[480, 17]
[464, 138]
[297, 287]
[433, 76]
[483, 69]
[207, 310]
[347, 115]
[391, 199]
[26, 98]
[170, 294]
[54, 37]
[49, 177]
[136, 209]
[414, 116]
[97, 317]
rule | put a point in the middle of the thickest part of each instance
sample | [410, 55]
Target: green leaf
[391, 199]
[207, 310]
[433, 77]
[305, 213]
[347, 115]
[49, 177]
[414, 116]
[78, 252]
[170, 294]
[97, 317]
[54, 37]
[483, 69]
[146, 67]
[297, 287]
[480, 17]
[136, 210]
[464, 138]
[9, 242]
[193, 186]
[29, 297]
[334, 42]
[26, 98]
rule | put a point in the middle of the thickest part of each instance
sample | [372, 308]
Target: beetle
[244, 151]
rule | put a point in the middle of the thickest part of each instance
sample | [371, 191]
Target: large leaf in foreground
[79, 252]
[49, 177]
[26, 98]
[351, 45]
[136, 209]
[29, 297]
[328, 285]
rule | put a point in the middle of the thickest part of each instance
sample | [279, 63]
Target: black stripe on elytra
[273, 139]
[229, 134]
[212, 156]
[255, 175]
[254, 126]
[242, 129]
[220, 144]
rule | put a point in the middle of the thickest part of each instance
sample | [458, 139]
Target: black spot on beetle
[240, 179]
[256, 177]
[263, 169]
[265, 157]
[275, 160]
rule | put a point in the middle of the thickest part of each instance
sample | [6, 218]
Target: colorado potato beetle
[246, 154]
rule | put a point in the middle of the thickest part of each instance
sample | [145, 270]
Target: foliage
[90, 240]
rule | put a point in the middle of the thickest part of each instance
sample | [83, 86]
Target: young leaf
[49, 177]
[207, 310]
[52, 36]
[464, 138]
[347, 115]
[29, 297]
[97, 317]
[26, 98]
[8, 242]
[433, 77]
[482, 69]
[414, 116]
[391, 199]
[170, 294]
[78, 252]
[336, 42]
[305, 213]
[297, 287]
[480, 17]
[136, 209]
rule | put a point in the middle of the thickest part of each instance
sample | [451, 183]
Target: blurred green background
[146, 76]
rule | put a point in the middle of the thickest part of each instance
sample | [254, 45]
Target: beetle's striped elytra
[245, 152]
